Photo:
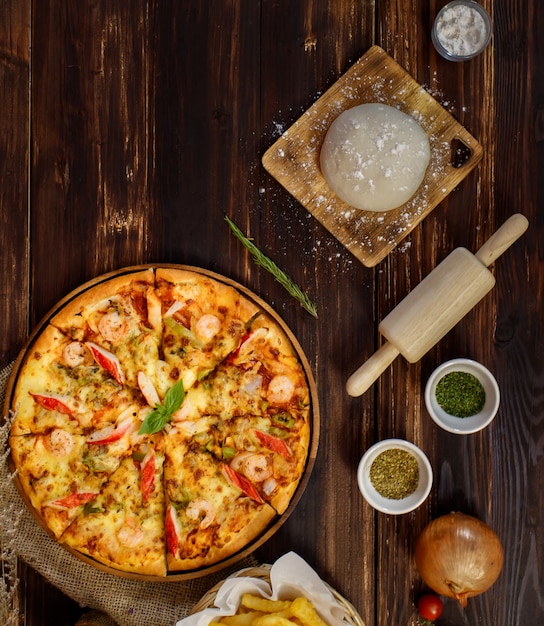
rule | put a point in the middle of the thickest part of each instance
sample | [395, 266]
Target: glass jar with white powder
[461, 30]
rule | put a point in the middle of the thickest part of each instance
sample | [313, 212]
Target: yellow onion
[458, 556]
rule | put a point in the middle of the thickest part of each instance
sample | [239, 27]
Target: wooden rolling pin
[433, 308]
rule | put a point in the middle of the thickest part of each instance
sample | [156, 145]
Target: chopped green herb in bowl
[462, 396]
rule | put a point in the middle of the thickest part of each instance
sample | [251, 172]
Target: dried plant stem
[269, 265]
[9, 518]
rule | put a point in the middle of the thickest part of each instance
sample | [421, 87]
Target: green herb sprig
[162, 413]
[263, 261]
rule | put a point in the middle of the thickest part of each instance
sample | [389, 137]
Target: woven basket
[263, 572]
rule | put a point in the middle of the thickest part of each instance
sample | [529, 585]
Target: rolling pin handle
[363, 378]
[502, 239]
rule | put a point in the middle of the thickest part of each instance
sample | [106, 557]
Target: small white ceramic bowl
[390, 505]
[462, 30]
[463, 425]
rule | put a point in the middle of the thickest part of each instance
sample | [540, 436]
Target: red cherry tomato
[430, 606]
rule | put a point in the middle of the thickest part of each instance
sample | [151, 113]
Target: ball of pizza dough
[374, 157]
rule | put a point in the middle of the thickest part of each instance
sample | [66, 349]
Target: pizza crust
[45, 475]
[218, 295]
[72, 314]
[123, 533]
[248, 530]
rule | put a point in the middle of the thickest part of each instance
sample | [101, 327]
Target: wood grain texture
[145, 124]
[15, 31]
[92, 143]
[302, 56]
[14, 162]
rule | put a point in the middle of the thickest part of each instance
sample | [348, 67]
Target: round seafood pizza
[162, 421]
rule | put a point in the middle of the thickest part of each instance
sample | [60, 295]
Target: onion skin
[458, 556]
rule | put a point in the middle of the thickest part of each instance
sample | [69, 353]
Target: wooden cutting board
[293, 160]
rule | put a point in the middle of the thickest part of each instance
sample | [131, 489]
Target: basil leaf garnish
[162, 413]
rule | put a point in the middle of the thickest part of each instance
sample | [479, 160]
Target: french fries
[257, 603]
[257, 611]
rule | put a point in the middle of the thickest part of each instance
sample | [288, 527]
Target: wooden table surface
[128, 130]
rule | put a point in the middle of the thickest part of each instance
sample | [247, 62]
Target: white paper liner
[290, 577]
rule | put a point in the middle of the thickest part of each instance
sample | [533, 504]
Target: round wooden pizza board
[314, 413]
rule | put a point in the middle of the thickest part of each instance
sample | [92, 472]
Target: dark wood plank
[301, 57]
[15, 258]
[474, 474]
[93, 144]
[45, 605]
[14, 155]
[518, 332]
[206, 79]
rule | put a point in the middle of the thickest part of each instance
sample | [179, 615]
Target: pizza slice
[263, 376]
[263, 455]
[208, 516]
[59, 473]
[203, 319]
[253, 411]
[119, 323]
[64, 388]
[123, 526]
[270, 453]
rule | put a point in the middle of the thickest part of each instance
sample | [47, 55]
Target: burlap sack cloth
[126, 602]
